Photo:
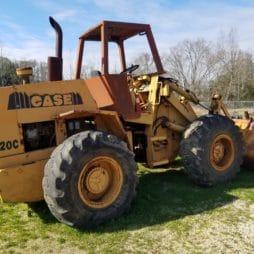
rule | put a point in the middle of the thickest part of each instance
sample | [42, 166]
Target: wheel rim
[222, 152]
[100, 182]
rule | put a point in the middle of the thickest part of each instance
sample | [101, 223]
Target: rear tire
[90, 179]
[212, 150]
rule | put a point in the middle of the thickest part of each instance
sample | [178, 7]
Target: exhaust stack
[55, 64]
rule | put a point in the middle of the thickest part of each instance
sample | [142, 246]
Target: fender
[107, 121]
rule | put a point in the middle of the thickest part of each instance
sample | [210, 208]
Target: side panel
[44, 101]
[118, 87]
[112, 92]
[10, 141]
[37, 102]
[22, 184]
[98, 88]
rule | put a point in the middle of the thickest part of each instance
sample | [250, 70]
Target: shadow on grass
[166, 196]
[41, 209]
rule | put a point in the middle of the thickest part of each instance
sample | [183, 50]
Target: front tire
[212, 150]
[90, 179]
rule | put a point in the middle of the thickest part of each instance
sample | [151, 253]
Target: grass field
[169, 215]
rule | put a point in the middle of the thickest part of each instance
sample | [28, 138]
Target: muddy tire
[212, 150]
[89, 179]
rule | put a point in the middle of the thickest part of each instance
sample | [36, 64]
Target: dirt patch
[229, 229]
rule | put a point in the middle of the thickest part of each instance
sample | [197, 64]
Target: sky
[25, 32]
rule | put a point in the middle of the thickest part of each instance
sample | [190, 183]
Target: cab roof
[116, 31]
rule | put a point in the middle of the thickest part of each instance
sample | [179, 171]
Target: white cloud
[62, 15]
[18, 43]
[30, 50]
[170, 24]
[192, 20]
[48, 5]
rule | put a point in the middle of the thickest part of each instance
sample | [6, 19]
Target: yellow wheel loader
[76, 143]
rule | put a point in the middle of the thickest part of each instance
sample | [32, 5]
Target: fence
[235, 108]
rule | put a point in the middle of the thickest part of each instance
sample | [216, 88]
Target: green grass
[170, 214]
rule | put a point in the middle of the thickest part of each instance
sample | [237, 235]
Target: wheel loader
[76, 143]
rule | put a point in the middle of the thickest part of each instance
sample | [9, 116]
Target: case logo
[19, 100]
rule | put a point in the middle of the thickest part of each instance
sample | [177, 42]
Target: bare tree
[86, 70]
[8, 72]
[236, 69]
[193, 63]
[39, 69]
[145, 62]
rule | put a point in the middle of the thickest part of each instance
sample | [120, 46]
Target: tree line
[8, 68]
[200, 65]
[207, 67]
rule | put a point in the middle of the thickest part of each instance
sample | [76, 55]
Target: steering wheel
[130, 69]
